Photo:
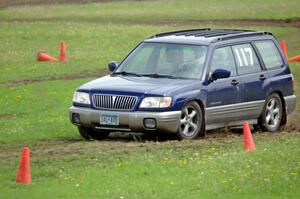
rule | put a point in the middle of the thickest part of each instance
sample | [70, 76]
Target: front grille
[114, 102]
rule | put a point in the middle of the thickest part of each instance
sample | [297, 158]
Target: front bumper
[128, 121]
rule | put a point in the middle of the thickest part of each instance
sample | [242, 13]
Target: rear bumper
[290, 103]
[128, 121]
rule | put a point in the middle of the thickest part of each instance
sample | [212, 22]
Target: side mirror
[220, 74]
[112, 65]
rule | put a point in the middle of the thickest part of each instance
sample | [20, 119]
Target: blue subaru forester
[189, 81]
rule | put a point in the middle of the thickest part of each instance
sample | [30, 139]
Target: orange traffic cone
[42, 56]
[23, 176]
[63, 51]
[284, 49]
[248, 141]
[294, 59]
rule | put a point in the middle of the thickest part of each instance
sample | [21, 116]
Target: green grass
[90, 46]
[158, 10]
[199, 169]
[64, 166]
[40, 111]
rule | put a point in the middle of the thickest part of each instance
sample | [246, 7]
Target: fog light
[76, 118]
[150, 123]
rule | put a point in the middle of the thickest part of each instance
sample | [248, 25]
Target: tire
[89, 133]
[191, 124]
[99, 134]
[85, 132]
[272, 114]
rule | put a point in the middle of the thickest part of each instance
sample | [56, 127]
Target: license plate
[109, 119]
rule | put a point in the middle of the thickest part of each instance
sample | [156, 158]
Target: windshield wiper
[126, 73]
[155, 75]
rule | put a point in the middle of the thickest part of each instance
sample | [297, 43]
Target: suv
[189, 81]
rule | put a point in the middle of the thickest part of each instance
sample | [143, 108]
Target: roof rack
[181, 31]
[220, 34]
[240, 35]
[216, 33]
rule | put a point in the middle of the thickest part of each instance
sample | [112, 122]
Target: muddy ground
[126, 142]
[235, 22]
[80, 75]
[8, 3]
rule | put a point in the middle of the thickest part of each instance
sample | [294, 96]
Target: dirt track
[7, 3]
[235, 22]
[124, 143]
[80, 75]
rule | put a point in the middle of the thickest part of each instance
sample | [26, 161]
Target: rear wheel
[191, 122]
[271, 117]
[89, 133]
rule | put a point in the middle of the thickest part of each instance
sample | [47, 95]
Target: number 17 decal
[246, 59]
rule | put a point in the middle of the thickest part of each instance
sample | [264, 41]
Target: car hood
[136, 85]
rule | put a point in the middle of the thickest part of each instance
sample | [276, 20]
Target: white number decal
[250, 55]
[243, 51]
[238, 56]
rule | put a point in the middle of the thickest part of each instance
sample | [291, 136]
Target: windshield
[165, 60]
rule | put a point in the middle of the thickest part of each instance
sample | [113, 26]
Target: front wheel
[271, 117]
[191, 122]
[85, 132]
[89, 133]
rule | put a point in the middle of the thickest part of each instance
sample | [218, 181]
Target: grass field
[35, 97]
[161, 10]
[208, 168]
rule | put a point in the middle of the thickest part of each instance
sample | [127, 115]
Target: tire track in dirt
[234, 22]
[16, 3]
[11, 115]
[126, 143]
[290, 22]
[79, 75]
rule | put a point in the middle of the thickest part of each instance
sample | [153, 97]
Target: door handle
[262, 77]
[234, 82]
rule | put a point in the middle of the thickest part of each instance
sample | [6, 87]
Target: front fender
[183, 98]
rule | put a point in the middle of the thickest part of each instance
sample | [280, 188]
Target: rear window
[269, 53]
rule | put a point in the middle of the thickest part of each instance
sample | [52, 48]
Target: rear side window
[246, 59]
[269, 54]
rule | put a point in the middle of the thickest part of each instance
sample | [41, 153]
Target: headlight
[81, 97]
[156, 102]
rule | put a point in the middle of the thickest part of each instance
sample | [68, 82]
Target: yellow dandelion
[294, 173]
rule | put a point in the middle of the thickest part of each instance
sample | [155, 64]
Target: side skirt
[233, 114]
[229, 124]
